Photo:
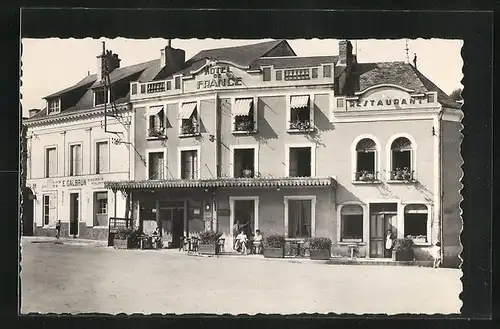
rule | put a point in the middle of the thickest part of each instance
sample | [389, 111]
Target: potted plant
[274, 246]
[244, 125]
[320, 248]
[366, 176]
[247, 173]
[300, 125]
[208, 242]
[121, 239]
[403, 250]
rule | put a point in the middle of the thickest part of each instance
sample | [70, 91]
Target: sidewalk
[64, 240]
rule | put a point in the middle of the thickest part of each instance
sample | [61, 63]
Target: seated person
[241, 242]
[257, 242]
[156, 237]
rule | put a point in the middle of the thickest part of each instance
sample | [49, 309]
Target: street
[63, 278]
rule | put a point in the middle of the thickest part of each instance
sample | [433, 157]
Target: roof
[223, 182]
[85, 82]
[294, 61]
[242, 55]
[152, 68]
[403, 74]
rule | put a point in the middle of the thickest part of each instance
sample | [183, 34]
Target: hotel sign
[218, 76]
[384, 102]
[71, 182]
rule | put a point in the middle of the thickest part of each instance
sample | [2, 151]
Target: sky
[50, 65]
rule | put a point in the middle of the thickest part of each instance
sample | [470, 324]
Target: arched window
[416, 217]
[351, 222]
[366, 154]
[401, 159]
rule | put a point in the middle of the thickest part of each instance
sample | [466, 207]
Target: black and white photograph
[241, 176]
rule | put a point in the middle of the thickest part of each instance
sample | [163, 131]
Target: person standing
[58, 229]
[437, 255]
[389, 243]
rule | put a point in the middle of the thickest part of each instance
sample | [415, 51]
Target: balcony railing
[244, 125]
[189, 129]
[155, 87]
[301, 125]
[297, 74]
[366, 176]
[156, 133]
[403, 174]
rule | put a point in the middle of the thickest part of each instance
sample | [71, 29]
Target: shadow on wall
[428, 195]
[321, 121]
[265, 130]
[345, 195]
[384, 189]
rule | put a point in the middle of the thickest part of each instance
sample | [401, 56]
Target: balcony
[156, 133]
[189, 129]
[297, 74]
[155, 87]
[301, 126]
[404, 175]
[366, 177]
[244, 126]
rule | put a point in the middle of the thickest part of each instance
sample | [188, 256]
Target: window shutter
[103, 157]
[52, 208]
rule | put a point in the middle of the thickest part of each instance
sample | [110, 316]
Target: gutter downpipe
[217, 141]
[440, 178]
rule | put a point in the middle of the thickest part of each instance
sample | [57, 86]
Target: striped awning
[187, 110]
[299, 102]
[223, 182]
[154, 110]
[242, 106]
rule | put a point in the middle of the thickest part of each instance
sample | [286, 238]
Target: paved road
[64, 278]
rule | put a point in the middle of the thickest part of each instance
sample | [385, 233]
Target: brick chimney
[171, 58]
[107, 60]
[345, 53]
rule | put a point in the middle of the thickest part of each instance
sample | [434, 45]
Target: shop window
[244, 115]
[189, 164]
[189, 119]
[101, 96]
[101, 157]
[351, 220]
[155, 165]
[101, 209]
[366, 152]
[244, 163]
[416, 219]
[54, 106]
[50, 162]
[300, 162]
[156, 122]
[300, 113]
[401, 153]
[299, 218]
[75, 160]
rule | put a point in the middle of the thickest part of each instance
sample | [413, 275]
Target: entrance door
[380, 223]
[172, 224]
[28, 216]
[244, 218]
[73, 215]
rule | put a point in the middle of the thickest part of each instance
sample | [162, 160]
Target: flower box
[324, 254]
[207, 249]
[274, 252]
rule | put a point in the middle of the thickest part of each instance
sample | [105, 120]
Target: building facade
[302, 146]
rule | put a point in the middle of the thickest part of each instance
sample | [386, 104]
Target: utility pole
[407, 49]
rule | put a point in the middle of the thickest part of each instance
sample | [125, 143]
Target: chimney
[415, 60]
[106, 60]
[33, 112]
[345, 53]
[171, 58]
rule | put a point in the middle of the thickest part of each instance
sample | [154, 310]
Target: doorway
[73, 213]
[28, 213]
[383, 217]
[244, 216]
[172, 222]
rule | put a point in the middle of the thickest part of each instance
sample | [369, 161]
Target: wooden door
[74, 211]
[377, 234]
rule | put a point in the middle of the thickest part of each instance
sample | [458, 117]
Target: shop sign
[73, 182]
[218, 76]
[384, 102]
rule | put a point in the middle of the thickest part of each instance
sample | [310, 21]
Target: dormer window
[101, 96]
[54, 106]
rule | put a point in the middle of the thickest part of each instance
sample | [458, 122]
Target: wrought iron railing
[366, 176]
[403, 174]
[156, 132]
[244, 125]
[301, 125]
[189, 129]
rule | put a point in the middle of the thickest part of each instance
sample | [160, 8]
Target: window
[327, 71]
[244, 114]
[156, 165]
[279, 75]
[46, 210]
[50, 162]
[102, 161]
[101, 96]
[189, 164]
[75, 160]
[300, 162]
[351, 221]
[300, 118]
[177, 82]
[101, 209]
[366, 151]
[244, 162]
[416, 222]
[266, 74]
[156, 122]
[54, 106]
[314, 72]
[189, 119]
[299, 218]
[169, 85]
[401, 152]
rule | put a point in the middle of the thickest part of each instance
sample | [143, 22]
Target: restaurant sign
[218, 76]
[72, 182]
[384, 102]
